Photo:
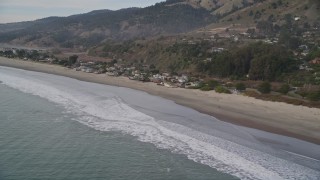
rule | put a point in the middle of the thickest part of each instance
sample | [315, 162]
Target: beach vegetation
[209, 85]
[73, 59]
[8, 54]
[221, 89]
[240, 86]
[200, 85]
[21, 53]
[264, 87]
[63, 62]
[206, 88]
[279, 98]
[34, 55]
[314, 96]
[212, 83]
[284, 89]
[229, 85]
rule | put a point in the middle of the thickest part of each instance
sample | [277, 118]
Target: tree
[257, 15]
[260, 60]
[21, 53]
[34, 55]
[257, 68]
[314, 53]
[264, 87]
[114, 61]
[251, 31]
[8, 53]
[294, 42]
[251, 13]
[288, 19]
[270, 62]
[152, 66]
[271, 18]
[276, 28]
[306, 25]
[274, 5]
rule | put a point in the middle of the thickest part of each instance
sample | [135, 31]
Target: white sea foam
[110, 113]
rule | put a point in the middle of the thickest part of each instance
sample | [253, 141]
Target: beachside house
[182, 80]
[157, 78]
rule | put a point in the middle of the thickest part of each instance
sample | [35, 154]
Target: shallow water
[38, 140]
[239, 151]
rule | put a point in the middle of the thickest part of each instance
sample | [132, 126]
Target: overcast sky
[24, 10]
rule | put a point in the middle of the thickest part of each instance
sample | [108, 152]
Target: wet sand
[280, 118]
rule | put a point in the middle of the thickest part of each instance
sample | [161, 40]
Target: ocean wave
[110, 113]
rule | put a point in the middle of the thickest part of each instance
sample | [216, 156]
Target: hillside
[180, 54]
[171, 17]
[274, 11]
[95, 27]
[220, 7]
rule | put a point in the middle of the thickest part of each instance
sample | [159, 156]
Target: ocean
[54, 127]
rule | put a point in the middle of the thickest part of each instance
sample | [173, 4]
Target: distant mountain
[96, 26]
[166, 18]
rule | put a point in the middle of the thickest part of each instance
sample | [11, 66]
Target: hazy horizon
[16, 11]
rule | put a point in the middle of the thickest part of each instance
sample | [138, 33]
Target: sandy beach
[294, 121]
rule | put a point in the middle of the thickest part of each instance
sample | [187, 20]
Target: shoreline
[275, 117]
